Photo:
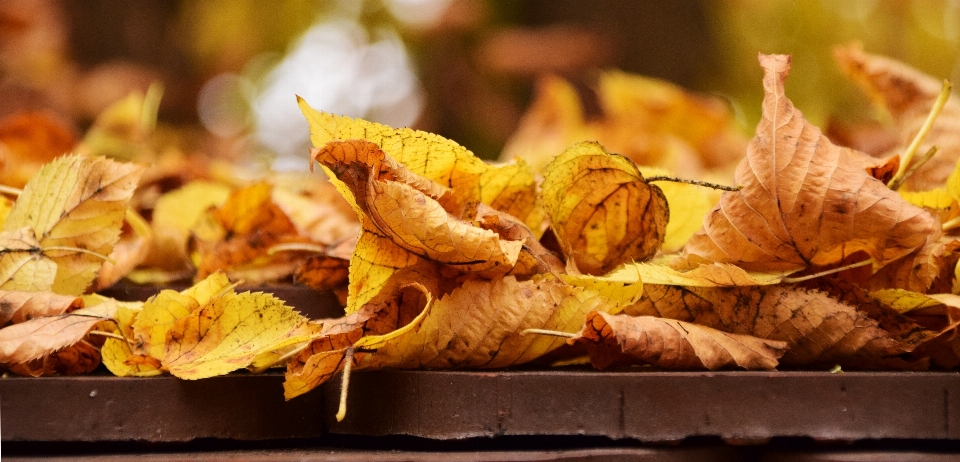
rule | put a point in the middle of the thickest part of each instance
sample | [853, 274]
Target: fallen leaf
[226, 333]
[704, 275]
[132, 248]
[689, 204]
[121, 357]
[23, 266]
[79, 358]
[622, 340]
[33, 339]
[30, 139]
[805, 202]
[74, 206]
[601, 209]
[18, 306]
[323, 272]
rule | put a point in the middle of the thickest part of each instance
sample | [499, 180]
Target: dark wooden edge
[738, 407]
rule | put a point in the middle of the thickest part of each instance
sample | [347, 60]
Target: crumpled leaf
[323, 272]
[76, 359]
[405, 219]
[613, 341]
[601, 209]
[75, 202]
[818, 329]
[805, 202]
[226, 333]
[33, 339]
[908, 95]
[509, 188]
[236, 238]
[18, 306]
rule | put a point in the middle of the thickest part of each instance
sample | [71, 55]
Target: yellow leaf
[509, 188]
[75, 205]
[122, 129]
[689, 204]
[905, 301]
[174, 215]
[117, 354]
[157, 317]
[23, 266]
[226, 334]
[601, 209]
[706, 275]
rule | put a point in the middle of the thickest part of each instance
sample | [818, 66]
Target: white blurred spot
[418, 12]
[336, 68]
[223, 104]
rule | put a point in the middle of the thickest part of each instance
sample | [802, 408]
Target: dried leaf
[323, 272]
[689, 204]
[132, 248]
[805, 202]
[622, 340]
[33, 339]
[75, 202]
[705, 275]
[122, 359]
[23, 266]
[17, 306]
[601, 209]
[174, 215]
[30, 139]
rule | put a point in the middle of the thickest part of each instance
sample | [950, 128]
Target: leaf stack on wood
[817, 255]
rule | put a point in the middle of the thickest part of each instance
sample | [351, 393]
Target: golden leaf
[23, 266]
[601, 209]
[705, 275]
[74, 206]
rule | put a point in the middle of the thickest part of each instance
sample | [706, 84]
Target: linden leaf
[75, 205]
[236, 238]
[623, 340]
[226, 333]
[33, 339]
[18, 306]
[406, 218]
[510, 188]
[908, 95]
[23, 266]
[601, 209]
[122, 359]
[805, 202]
[817, 328]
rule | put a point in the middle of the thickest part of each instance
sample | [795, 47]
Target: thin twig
[695, 182]
[950, 224]
[911, 151]
[297, 247]
[10, 190]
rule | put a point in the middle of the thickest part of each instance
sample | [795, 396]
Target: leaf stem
[282, 359]
[342, 411]
[297, 246]
[827, 272]
[916, 166]
[10, 190]
[554, 333]
[911, 151]
[107, 334]
[695, 182]
[950, 224]
[79, 250]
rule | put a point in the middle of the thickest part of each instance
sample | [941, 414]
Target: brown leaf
[17, 306]
[322, 272]
[805, 202]
[79, 358]
[623, 340]
[909, 95]
[33, 339]
[30, 139]
[818, 329]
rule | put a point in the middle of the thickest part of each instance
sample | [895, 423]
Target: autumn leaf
[613, 341]
[704, 275]
[121, 131]
[18, 306]
[33, 339]
[405, 219]
[132, 248]
[323, 272]
[805, 202]
[908, 95]
[601, 209]
[23, 266]
[74, 207]
[227, 332]
[121, 356]
[236, 238]
[817, 328]
[509, 188]
[689, 204]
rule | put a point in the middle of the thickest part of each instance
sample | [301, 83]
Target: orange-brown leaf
[18, 306]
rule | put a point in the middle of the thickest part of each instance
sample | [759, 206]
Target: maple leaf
[623, 340]
[601, 209]
[908, 95]
[74, 207]
[805, 202]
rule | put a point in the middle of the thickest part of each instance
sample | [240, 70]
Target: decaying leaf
[601, 209]
[18, 306]
[805, 202]
[74, 207]
[23, 266]
[38, 337]
[613, 341]
[705, 275]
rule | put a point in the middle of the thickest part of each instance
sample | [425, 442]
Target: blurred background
[465, 69]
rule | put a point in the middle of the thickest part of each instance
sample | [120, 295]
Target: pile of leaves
[817, 255]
